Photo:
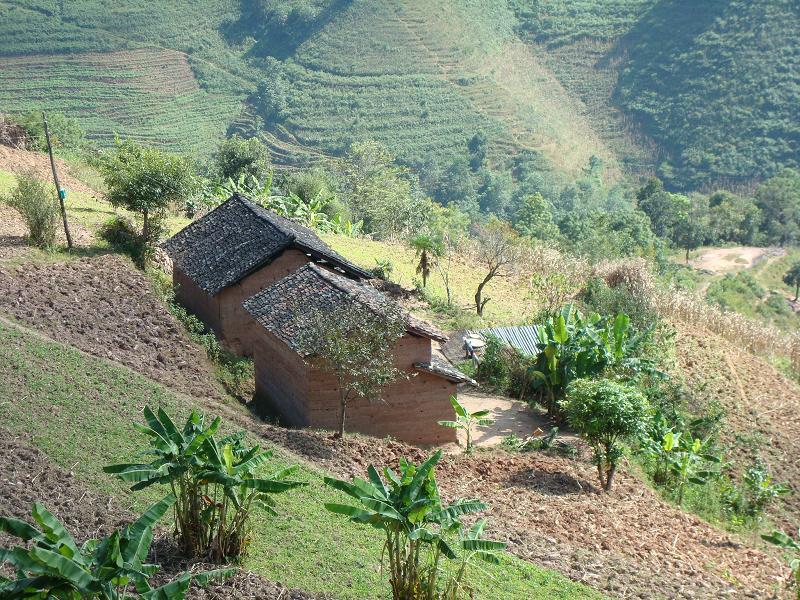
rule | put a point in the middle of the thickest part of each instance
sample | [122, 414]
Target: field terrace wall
[234, 252]
[295, 387]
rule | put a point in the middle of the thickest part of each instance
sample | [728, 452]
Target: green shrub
[602, 299]
[37, 202]
[214, 481]
[494, 369]
[52, 565]
[605, 412]
[429, 548]
[756, 492]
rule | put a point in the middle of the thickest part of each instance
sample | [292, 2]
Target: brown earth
[27, 476]
[104, 306]
[762, 408]
[15, 160]
[13, 233]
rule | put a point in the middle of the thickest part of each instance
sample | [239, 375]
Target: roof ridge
[330, 278]
[257, 209]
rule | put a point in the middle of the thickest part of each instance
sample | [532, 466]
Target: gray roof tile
[282, 307]
[237, 238]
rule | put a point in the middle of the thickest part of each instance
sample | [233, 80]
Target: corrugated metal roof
[524, 338]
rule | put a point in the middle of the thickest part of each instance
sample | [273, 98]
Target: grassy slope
[424, 78]
[509, 303]
[78, 410]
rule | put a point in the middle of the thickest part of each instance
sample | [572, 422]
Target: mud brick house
[235, 251]
[291, 383]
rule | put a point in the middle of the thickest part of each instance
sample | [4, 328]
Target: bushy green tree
[379, 192]
[690, 226]
[779, 201]
[147, 181]
[534, 218]
[606, 412]
[237, 157]
[733, 218]
[65, 131]
[36, 202]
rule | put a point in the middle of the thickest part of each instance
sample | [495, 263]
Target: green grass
[78, 410]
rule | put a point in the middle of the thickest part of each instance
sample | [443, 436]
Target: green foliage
[575, 347]
[424, 561]
[534, 218]
[679, 459]
[65, 132]
[428, 250]
[540, 442]
[147, 182]
[600, 298]
[213, 480]
[355, 345]
[734, 218]
[757, 491]
[724, 71]
[494, 368]
[383, 268]
[37, 202]
[379, 193]
[741, 292]
[466, 420]
[779, 201]
[792, 278]
[52, 565]
[792, 546]
[237, 157]
[605, 412]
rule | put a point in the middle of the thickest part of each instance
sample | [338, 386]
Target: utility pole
[62, 193]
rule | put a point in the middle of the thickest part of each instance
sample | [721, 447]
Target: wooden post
[59, 190]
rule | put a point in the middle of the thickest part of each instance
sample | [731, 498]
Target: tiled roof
[282, 308]
[443, 369]
[237, 238]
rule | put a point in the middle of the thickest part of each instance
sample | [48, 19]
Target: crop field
[148, 95]
[424, 79]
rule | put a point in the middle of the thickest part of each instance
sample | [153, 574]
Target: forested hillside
[699, 93]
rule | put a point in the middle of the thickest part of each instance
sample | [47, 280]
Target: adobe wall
[196, 300]
[281, 379]
[236, 323]
[410, 411]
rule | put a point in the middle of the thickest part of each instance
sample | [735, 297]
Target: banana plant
[466, 420]
[232, 466]
[687, 462]
[213, 481]
[782, 540]
[420, 532]
[54, 566]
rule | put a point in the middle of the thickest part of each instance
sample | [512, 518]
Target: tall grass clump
[36, 202]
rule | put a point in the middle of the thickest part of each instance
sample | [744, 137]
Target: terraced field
[150, 95]
[424, 79]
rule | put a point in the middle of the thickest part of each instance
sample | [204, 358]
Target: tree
[534, 218]
[499, 249]
[382, 194]
[605, 412]
[451, 228]
[146, 181]
[477, 151]
[690, 226]
[466, 420]
[733, 218]
[779, 201]
[792, 278]
[428, 249]
[354, 344]
[237, 157]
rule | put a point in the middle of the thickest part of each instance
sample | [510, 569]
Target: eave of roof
[449, 372]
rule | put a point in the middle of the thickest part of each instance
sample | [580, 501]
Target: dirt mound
[105, 307]
[762, 407]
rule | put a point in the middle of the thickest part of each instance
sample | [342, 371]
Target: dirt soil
[13, 233]
[762, 408]
[28, 475]
[724, 260]
[104, 306]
